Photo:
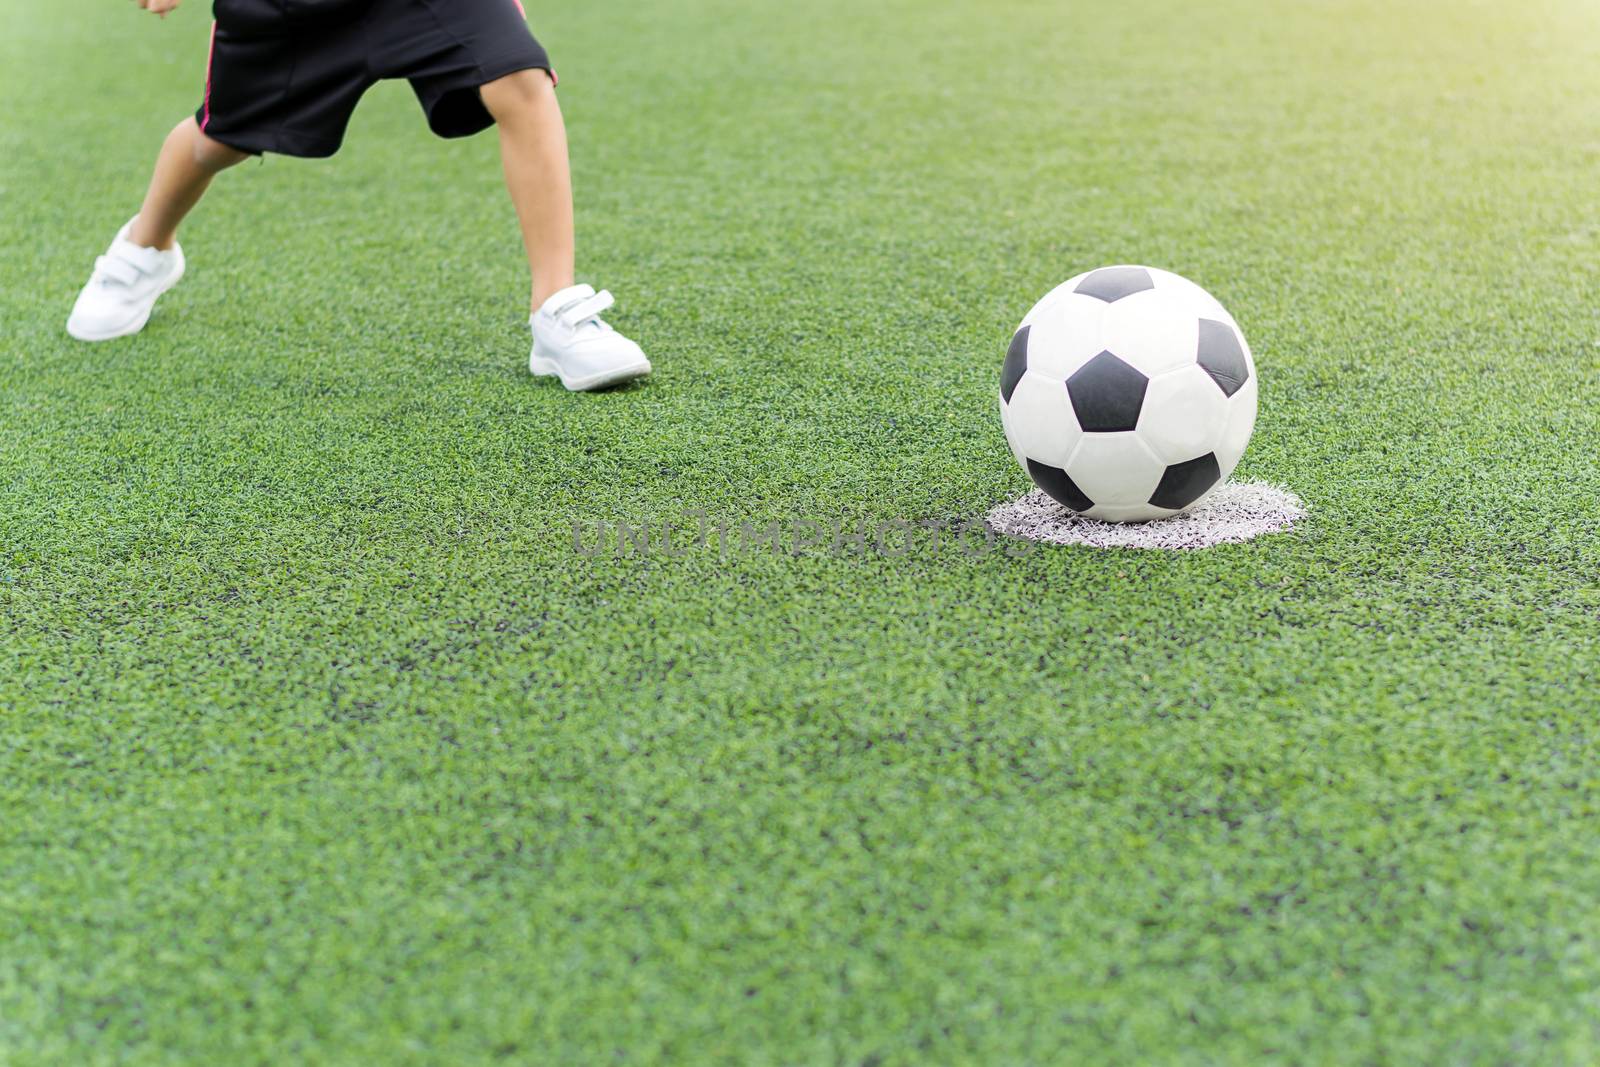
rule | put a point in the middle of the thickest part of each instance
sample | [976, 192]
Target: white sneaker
[123, 289]
[572, 343]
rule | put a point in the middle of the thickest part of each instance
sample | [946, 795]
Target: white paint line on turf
[1235, 512]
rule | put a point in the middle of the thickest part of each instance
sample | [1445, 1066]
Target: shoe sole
[133, 325]
[548, 368]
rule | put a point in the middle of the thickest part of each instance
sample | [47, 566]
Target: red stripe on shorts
[211, 56]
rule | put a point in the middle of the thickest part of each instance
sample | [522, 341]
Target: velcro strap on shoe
[581, 311]
[117, 269]
[146, 259]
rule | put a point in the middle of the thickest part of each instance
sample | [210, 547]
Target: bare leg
[533, 149]
[188, 161]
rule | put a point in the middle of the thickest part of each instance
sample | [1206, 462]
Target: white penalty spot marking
[1235, 512]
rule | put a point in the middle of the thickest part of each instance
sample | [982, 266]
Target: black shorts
[285, 75]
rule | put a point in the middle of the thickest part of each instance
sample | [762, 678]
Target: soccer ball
[1128, 394]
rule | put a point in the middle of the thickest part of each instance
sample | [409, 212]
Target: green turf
[320, 744]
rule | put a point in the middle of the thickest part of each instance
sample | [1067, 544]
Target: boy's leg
[188, 161]
[144, 259]
[570, 340]
[533, 150]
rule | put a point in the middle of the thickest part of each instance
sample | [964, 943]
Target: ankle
[144, 237]
[544, 289]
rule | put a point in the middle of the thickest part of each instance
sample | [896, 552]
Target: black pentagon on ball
[1184, 483]
[1057, 486]
[1113, 283]
[1222, 356]
[1107, 394]
[1016, 363]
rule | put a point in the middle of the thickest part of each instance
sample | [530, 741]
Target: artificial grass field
[320, 743]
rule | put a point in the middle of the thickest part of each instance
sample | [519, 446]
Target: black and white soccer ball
[1128, 394]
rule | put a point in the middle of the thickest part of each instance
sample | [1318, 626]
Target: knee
[518, 93]
[209, 154]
